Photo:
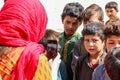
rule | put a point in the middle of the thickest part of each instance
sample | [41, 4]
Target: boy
[112, 39]
[71, 19]
[92, 13]
[57, 65]
[94, 42]
[112, 64]
[111, 9]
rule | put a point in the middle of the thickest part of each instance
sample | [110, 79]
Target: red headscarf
[23, 23]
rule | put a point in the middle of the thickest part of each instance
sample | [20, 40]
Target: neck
[97, 55]
[68, 36]
[95, 58]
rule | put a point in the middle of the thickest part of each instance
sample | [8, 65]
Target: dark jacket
[83, 69]
[79, 50]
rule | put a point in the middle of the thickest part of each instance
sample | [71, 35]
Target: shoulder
[62, 36]
[79, 41]
[81, 59]
[77, 35]
[42, 57]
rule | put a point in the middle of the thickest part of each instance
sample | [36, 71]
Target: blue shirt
[99, 73]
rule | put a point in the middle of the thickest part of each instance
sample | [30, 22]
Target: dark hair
[91, 10]
[49, 34]
[112, 63]
[93, 28]
[4, 0]
[112, 28]
[112, 4]
[73, 10]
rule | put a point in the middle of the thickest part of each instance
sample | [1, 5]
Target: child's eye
[94, 40]
[111, 43]
[111, 11]
[86, 40]
[74, 24]
[68, 22]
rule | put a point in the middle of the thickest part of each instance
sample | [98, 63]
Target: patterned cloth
[23, 24]
[9, 60]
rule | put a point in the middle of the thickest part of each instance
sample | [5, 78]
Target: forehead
[91, 37]
[69, 18]
[110, 9]
[113, 37]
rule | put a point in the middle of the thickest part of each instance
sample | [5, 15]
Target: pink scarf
[23, 23]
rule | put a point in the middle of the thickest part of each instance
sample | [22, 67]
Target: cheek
[74, 29]
[65, 27]
[86, 45]
[109, 47]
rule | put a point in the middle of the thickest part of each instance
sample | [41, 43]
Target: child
[92, 13]
[94, 42]
[111, 9]
[71, 19]
[112, 39]
[112, 64]
[57, 65]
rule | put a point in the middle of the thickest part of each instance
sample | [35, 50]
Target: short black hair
[93, 28]
[112, 4]
[4, 0]
[73, 10]
[49, 34]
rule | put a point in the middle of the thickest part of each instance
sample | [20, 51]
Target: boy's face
[93, 44]
[111, 12]
[111, 42]
[71, 24]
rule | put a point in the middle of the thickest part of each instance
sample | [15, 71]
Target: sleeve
[76, 71]
[75, 56]
[63, 71]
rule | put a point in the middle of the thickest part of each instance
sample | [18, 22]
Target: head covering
[23, 23]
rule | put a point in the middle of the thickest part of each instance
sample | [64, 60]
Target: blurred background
[54, 9]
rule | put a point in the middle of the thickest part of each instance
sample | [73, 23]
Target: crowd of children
[29, 51]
